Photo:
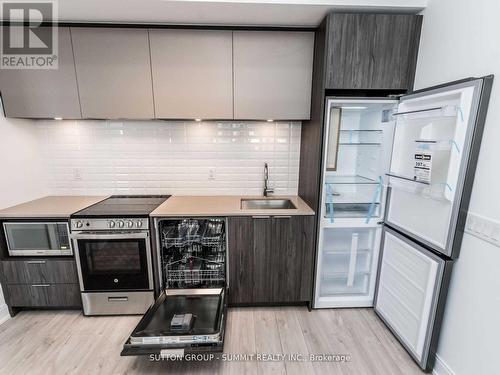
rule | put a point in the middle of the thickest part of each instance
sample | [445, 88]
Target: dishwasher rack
[193, 252]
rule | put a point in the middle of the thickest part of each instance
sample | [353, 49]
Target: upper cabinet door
[43, 93]
[192, 73]
[372, 51]
[114, 72]
[272, 74]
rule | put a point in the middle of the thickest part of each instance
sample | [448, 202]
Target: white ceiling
[222, 12]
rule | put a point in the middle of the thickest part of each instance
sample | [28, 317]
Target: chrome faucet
[267, 190]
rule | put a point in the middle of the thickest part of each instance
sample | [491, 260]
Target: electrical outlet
[77, 174]
[211, 174]
[483, 228]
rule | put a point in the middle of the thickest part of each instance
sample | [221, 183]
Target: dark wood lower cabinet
[270, 259]
[40, 271]
[40, 282]
[44, 295]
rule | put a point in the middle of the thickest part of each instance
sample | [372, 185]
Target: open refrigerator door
[433, 141]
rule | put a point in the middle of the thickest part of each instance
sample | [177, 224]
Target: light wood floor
[66, 342]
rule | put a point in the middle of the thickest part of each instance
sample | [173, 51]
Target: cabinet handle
[118, 299]
[40, 285]
[261, 217]
[36, 262]
[283, 217]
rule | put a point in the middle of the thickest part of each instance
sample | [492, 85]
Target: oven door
[113, 261]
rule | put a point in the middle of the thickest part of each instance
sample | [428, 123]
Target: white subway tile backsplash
[153, 157]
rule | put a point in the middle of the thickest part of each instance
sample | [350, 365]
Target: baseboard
[4, 313]
[441, 368]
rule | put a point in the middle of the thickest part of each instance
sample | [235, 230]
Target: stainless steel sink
[266, 204]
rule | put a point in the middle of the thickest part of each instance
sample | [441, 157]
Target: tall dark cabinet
[355, 54]
[372, 51]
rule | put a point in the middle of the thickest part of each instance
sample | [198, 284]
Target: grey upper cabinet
[114, 72]
[192, 73]
[272, 74]
[43, 93]
[372, 51]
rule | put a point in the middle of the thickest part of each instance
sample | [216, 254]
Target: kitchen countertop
[224, 206]
[51, 207]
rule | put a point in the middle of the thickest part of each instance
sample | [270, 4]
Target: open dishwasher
[189, 315]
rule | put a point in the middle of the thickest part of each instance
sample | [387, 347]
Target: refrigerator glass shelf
[360, 144]
[349, 180]
[362, 130]
[344, 252]
[351, 210]
[342, 275]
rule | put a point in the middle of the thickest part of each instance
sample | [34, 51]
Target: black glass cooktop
[123, 206]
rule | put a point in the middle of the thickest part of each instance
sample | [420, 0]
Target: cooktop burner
[123, 206]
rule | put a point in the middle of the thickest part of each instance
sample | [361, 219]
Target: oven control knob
[112, 224]
[79, 224]
[139, 224]
[121, 224]
[130, 224]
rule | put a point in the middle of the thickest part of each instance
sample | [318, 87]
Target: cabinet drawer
[40, 271]
[44, 295]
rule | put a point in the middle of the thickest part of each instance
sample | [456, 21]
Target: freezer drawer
[411, 293]
[347, 267]
[153, 334]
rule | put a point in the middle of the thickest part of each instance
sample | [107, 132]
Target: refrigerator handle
[352, 259]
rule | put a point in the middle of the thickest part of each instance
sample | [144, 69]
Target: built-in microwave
[37, 238]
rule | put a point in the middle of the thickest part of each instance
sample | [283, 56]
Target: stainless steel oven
[37, 238]
[114, 266]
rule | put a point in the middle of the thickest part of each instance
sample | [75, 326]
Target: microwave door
[436, 143]
[52, 237]
[27, 238]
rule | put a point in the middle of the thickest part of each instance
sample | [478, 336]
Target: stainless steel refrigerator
[391, 230]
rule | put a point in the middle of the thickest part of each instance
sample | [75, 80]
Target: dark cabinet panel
[44, 295]
[265, 260]
[240, 258]
[270, 259]
[372, 51]
[40, 271]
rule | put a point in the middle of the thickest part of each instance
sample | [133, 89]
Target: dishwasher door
[153, 334]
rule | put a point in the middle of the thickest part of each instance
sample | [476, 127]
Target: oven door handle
[109, 236]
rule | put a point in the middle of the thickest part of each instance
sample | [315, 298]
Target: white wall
[22, 177]
[461, 39]
[154, 157]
